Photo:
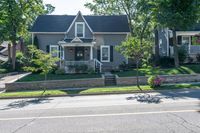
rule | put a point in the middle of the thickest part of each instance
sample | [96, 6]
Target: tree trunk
[176, 59]
[138, 83]
[9, 52]
[157, 55]
[45, 79]
[21, 40]
[14, 55]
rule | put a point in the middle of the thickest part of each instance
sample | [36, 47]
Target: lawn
[186, 69]
[39, 77]
[2, 71]
[107, 90]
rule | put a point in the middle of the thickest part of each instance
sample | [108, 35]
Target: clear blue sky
[69, 7]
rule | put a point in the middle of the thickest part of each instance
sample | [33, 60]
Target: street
[161, 112]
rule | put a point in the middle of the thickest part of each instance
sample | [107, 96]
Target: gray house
[185, 38]
[79, 39]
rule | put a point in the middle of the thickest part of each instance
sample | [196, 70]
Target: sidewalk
[10, 79]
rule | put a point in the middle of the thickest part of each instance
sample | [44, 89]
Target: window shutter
[179, 40]
[47, 48]
[98, 54]
[111, 53]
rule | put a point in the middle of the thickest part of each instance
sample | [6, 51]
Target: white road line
[99, 115]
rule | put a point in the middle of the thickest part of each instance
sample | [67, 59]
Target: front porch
[78, 57]
[188, 39]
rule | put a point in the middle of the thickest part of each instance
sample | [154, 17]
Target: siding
[71, 33]
[48, 39]
[112, 40]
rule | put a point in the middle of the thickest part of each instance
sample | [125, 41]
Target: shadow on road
[174, 95]
[145, 98]
[24, 103]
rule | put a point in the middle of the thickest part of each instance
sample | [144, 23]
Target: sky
[69, 7]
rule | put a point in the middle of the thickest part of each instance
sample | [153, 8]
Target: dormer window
[80, 29]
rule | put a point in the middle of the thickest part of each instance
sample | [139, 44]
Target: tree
[176, 14]
[137, 11]
[131, 48]
[16, 16]
[39, 61]
[49, 8]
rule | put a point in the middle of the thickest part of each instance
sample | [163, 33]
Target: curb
[97, 94]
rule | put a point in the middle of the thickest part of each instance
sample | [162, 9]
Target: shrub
[154, 81]
[60, 71]
[198, 57]
[182, 54]
[166, 61]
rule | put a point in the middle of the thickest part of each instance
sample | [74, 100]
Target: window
[54, 50]
[80, 29]
[105, 53]
[185, 40]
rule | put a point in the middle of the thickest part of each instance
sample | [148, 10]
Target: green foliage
[182, 54]
[60, 71]
[39, 61]
[132, 48]
[166, 61]
[196, 40]
[176, 14]
[154, 81]
[198, 57]
[20, 61]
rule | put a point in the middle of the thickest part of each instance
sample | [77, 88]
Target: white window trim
[108, 53]
[54, 46]
[76, 23]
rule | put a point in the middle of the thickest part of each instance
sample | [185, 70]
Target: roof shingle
[60, 23]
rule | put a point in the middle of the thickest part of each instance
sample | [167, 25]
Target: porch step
[110, 80]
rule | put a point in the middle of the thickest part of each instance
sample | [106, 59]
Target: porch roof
[72, 44]
[83, 40]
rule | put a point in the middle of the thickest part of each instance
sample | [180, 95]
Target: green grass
[39, 77]
[2, 70]
[124, 89]
[187, 69]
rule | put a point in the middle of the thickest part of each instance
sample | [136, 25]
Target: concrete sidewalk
[10, 79]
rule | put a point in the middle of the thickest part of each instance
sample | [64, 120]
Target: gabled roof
[61, 23]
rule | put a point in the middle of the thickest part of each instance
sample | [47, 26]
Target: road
[163, 112]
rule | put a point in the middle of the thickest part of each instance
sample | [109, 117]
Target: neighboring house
[82, 39]
[4, 51]
[187, 38]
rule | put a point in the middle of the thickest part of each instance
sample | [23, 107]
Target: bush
[198, 57]
[20, 61]
[60, 71]
[182, 54]
[166, 61]
[155, 81]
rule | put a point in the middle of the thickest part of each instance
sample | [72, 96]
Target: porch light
[70, 50]
[86, 50]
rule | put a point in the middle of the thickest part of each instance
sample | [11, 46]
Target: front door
[79, 53]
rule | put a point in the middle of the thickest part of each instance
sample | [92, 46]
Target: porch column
[91, 53]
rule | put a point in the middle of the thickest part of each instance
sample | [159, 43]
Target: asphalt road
[164, 112]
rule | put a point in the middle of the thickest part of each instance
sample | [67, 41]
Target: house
[4, 52]
[82, 40]
[187, 38]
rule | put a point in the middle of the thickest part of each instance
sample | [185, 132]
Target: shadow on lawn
[23, 103]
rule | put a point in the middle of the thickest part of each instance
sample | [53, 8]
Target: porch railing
[91, 64]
